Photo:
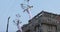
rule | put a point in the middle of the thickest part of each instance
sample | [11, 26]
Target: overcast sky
[12, 7]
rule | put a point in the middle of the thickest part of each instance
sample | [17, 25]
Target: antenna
[27, 7]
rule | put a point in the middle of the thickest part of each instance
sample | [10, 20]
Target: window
[51, 28]
[48, 28]
[36, 28]
[28, 31]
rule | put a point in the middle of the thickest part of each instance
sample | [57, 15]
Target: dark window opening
[28, 31]
[36, 28]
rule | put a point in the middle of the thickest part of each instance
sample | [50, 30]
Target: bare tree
[18, 22]
[27, 8]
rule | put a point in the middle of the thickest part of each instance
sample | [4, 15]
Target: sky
[12, 7]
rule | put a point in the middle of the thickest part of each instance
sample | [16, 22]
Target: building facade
[43, 22]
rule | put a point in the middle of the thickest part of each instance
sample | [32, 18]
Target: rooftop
[39, 14]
